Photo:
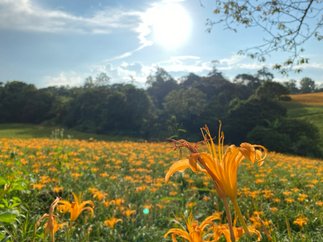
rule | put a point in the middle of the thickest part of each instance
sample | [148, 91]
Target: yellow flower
[77, 207]
[222, 166]
[300, 221]
[319, 203]
[194, 232]
[223, 229]
[112, 222]
[129, 212]
[57, 189]
[51, 226]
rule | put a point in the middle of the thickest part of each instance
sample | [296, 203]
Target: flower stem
[229, 218]
[240, 216]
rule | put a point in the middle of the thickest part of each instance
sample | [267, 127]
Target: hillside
[15, 130]
[307, 106]
[309, 99]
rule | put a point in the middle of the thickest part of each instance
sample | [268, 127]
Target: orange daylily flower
[222, 166]
[193, 232]
[51, 226]
[223, 229]
[301, 221]
[112, 222]
[77, 207]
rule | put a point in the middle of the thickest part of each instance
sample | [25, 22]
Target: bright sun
[171, 25]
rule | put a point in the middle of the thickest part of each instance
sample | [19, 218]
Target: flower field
[117, 192]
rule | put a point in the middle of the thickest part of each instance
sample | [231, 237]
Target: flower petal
[178, 232]
[180, 165]
[253, 154]
[208, 220]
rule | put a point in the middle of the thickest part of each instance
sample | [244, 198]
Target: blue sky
[61, 42]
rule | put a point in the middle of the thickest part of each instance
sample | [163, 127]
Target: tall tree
[271, 90]
[307, 85]
[159, 85]
[291, 86]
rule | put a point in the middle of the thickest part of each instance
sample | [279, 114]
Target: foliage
[289, 136]
[271, 90]
[160, 84]
[243, 116]
[287, 25]
[307, 85]
[11, 205]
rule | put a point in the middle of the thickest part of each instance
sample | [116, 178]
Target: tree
[287, 25]
[250, 81]
[101, 80]
[307, 85]
[243, 116]
[289, 136]
[264, 75]
[191, 80]
[187, 105]
[13, 100]
[160, 84]
[271, 90]
[291, 86]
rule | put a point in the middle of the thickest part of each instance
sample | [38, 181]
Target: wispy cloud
[25, 15]
[178, 66]
[125, 72]
[237, 62]
[70, 78]
[311, 65]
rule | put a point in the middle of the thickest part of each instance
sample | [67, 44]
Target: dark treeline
[249, 107]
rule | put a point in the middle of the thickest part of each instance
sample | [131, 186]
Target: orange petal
[180, 165]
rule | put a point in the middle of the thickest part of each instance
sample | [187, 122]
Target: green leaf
[172, 198]
[3, 181]
[2, 235]
[8, 216]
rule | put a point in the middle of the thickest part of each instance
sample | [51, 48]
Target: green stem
[229, 218]
[240, 216]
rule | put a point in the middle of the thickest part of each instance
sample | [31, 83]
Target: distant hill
[309, 99]
[308, 106]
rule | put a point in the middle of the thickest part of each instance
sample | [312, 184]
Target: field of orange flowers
[116, 191]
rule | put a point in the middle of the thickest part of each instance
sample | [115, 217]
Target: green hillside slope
[307, 106]
[39, 131]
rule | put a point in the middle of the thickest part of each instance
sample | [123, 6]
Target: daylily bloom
[193, 232]
[76, 208]
[112, 222]
[51, 226]
[222, 166]
[223, 229]
[301, 221]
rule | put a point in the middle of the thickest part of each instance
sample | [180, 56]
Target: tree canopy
[286, 25]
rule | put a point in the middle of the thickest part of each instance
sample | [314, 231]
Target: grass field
[123, 183]
[307, 106]
[17, 130]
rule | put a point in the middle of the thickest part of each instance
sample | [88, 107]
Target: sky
[61, 42]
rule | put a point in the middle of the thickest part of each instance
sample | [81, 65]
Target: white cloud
[185, 64]
[26, 15]
[70, 78]
[314, 65]
[125, 72]
[235, 62]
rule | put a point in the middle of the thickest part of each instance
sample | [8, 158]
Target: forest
[250, 108]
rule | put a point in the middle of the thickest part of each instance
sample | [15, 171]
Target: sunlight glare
[171, 25]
